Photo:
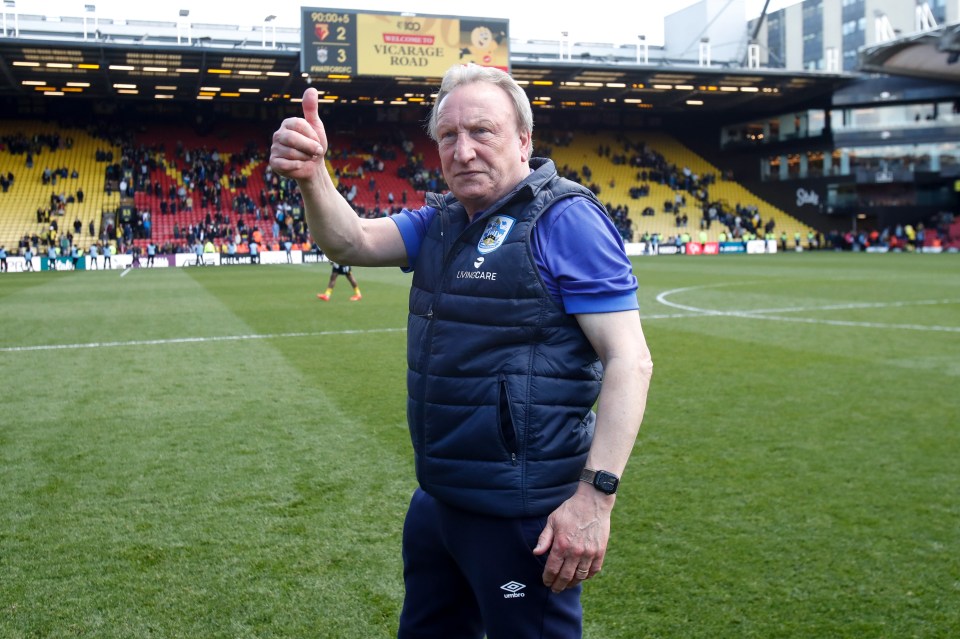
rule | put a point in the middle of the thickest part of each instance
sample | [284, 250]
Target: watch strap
[604, 481]
[588, 475]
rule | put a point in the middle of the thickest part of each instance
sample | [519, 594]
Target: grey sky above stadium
[611, 21]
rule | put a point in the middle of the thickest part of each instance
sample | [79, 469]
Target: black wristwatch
[601, 480]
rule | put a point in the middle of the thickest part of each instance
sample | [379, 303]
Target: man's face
[482, 153]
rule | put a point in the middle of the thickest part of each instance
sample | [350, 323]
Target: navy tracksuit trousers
[469, 575]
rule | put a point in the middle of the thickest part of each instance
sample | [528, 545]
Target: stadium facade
[887, 151]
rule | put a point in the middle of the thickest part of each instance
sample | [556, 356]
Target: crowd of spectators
[35, 145]
[214, 182]
[896, 237]
[652, 167]
[274, 210]
[236, 211]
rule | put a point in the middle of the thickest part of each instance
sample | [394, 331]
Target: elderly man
[523, 314]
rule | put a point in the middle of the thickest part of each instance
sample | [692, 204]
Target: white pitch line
[189, 340]
[850, 306]
[764, 314]
[692, 311]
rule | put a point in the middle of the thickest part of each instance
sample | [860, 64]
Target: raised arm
[298, 151]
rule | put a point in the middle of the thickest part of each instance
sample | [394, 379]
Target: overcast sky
[611, 21]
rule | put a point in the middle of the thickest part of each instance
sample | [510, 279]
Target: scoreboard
[342, 42]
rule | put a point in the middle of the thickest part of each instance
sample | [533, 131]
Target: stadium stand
[659, 163]
[160, 167]
[59, 149]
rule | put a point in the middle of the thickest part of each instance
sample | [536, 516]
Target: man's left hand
[576, 536]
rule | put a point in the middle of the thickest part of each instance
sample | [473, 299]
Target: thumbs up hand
[299, 144]
[310, 104]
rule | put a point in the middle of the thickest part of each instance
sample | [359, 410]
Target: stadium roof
[933, 55]
[165, 61]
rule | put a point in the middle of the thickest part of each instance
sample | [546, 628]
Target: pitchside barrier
[121, 262]
[753, 247]
[17, 264]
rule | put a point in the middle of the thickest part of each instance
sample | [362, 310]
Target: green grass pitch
[214, 453]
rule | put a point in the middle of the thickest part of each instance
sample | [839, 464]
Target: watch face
[607, 482]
